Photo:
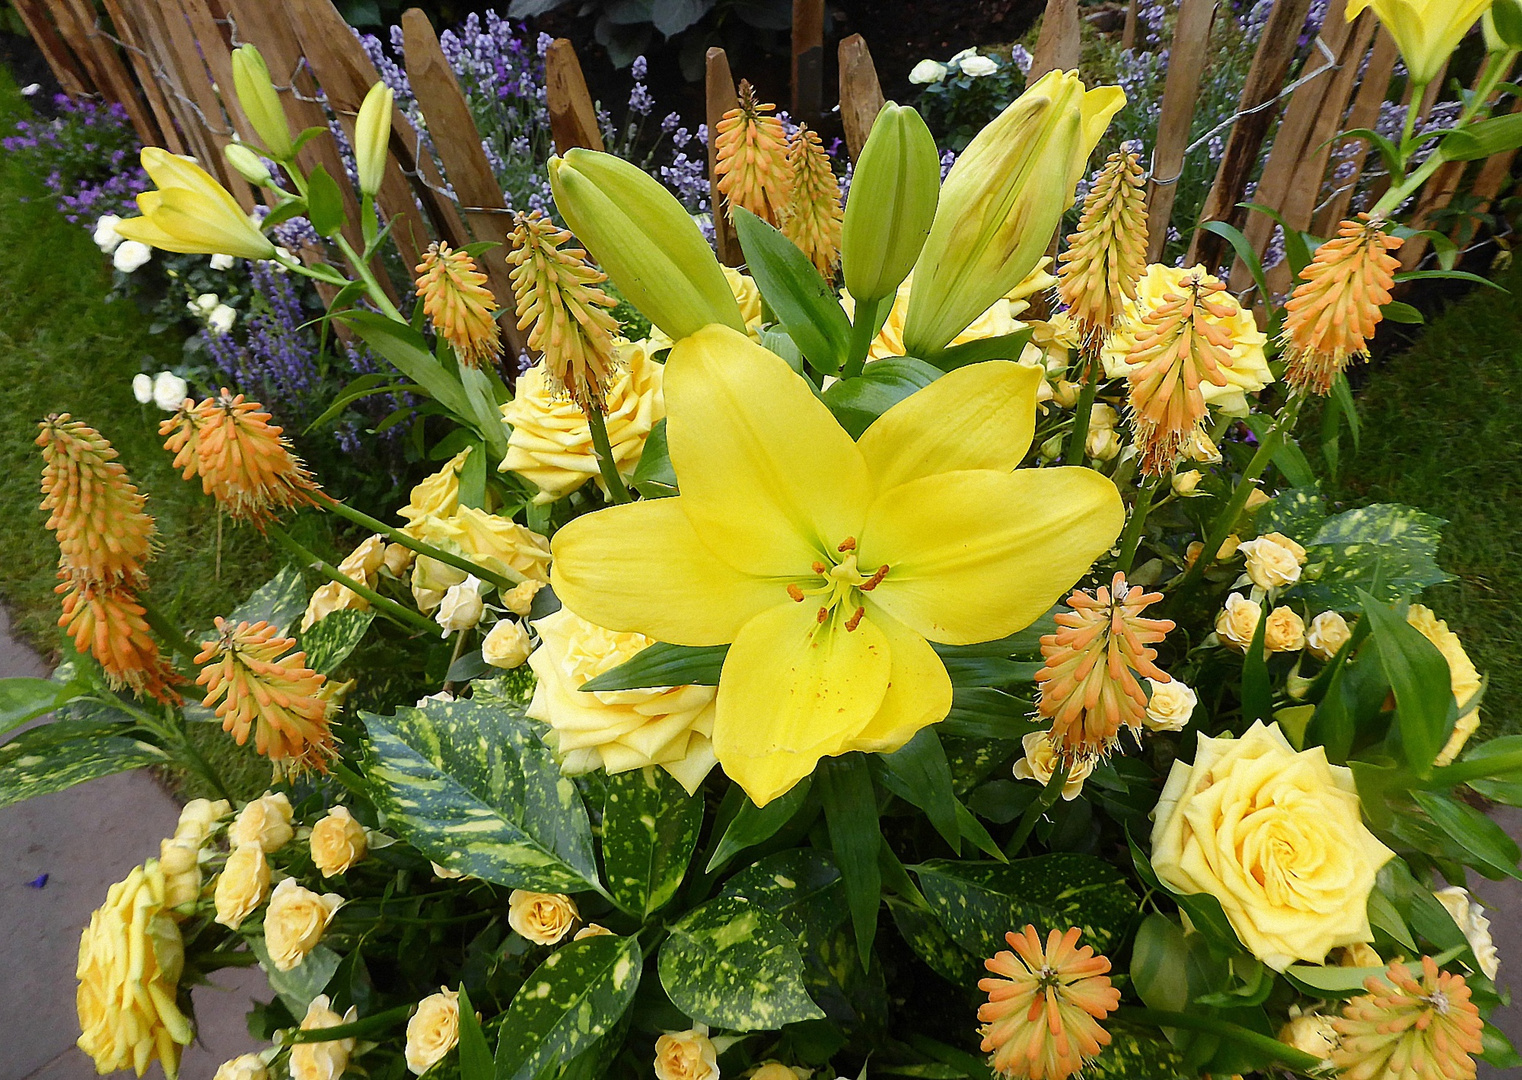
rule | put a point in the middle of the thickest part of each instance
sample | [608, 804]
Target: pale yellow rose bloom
[1310, 1033]
[433, 1030]
[543, 918]
[551, 444]
[1464, 678]
[1238, 622]
[398, 559]
[338, 842]
[1186, 484]
[1270, 564]
[363, 565]
[1285, 631]
[1103, 444]
[199, 817]
[130, 959]
[506, 645]
[497, 543]
[616, 730]
[1248, 372]
[686, 1055]
[462, 606]
[242, 886]
[1277, 837]
[322, 1060]
[436, 497]
[243, 1067]
[1040, 763]
[520, 598]
[295, 922]
[1328, 633]
[431, 579]
[1255, 499]
[266, 821]
[1471, 919]
[179, 859]
[1169, 705]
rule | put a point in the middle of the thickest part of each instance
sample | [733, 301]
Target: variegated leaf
[1387, 550]
[979, 902]
[1133, 1055]
[1296, 513]
[333, 637]
[650, 827]
[575, 997]
[303, 982]
[279, 601]
[732, 964]
[471, 786]
[934, 946]
[66, 752]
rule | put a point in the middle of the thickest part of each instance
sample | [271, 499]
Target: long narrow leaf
[801, 298]
[850, 808]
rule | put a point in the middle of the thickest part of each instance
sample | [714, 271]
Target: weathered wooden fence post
[1186, 64]
[1060, 45]
[808, 60]
[721, 97]
[861, 95]
[573, 117]
[61, 62]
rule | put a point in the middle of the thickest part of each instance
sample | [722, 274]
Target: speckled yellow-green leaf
[1386, 549]
[934, 946]
[68, 752]
[471, 786]
[650, 827]
[732, 964]
[333, 637]
[573, 999]
[1133, 1056]
[978, 902]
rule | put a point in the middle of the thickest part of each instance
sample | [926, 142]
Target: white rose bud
[142, 388]
[461, 607]
[507, 645]
[222, 262]
[926, 72]
[130, 255]
[979, 66]
[169, 391]
[221, 319]
[105, 235]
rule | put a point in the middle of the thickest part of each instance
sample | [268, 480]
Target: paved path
[83, 839]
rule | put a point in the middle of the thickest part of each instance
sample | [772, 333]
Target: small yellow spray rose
[179, 858]
[322, 1060]
[266, 821]
[1327, 634]
[686, 1055]
[434, 1030]
[338, 842]
[543, 918]
[199, 817]
[1471, 919]
[506, 645]
[243, 1067]
[1277, 837]
[1169, 705]
[295, 922]
[1040, 762]
[1273, 560]
[1186, 485]
[1285, 631]
[520, 598]
[1238, 621]
[243, 885]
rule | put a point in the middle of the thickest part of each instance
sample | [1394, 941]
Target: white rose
[461, 607]
[926, 72]
[222, 262]
[169, 390]
[979, 66]
[1471, 919]
[1040, 762]
[221, 319]
[130, 254]
[1327, 634]
[205, 303]
[1169, 706]
[507, 645]
[142, 388]
[105, 236]
[31, 89]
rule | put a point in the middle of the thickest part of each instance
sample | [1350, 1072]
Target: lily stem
[863, 331]
[167, 630]
[372, 285]
[388, 607]
[605, 463]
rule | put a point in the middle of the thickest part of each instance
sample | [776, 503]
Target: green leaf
[1296, 251]
[1491, 851]
[733, 964]
[472, 787]
[858, 401]
[303, 982]
[918, 773]
[802, 299]
[279, 601]
[654, 478]
[1396, 311]
[475, 1056]
[23, 699]
[367, 385]
[1002, 347]
[850, 810]
[978, 902]
[409, 353]
[1330, 981]
[663, 665]
[1257, 693]
[1504, 787]
[1418, 674]
[934, 946]
[1454, 275]
[1494, 135]
[53, 757]
[1245, 251]
[332, 638]
[1159, 964]
[568, 1003]
[1386, 549]
[325, 204]
[1383, 915]
[650, 827]
[754, 824]
[1137, 1055]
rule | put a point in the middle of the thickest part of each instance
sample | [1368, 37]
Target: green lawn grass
[1443, 432]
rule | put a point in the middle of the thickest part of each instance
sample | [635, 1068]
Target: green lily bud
[260, 102]
[644, 241]
[1001, 204]
[893, 195]
[372, 137]
[246, 163]
[1503, 26]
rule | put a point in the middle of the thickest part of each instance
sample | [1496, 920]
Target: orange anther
[855, 620]
[848, 544]
[876, 579]
[795, 592]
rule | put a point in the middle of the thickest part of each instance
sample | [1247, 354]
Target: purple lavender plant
[86, 155]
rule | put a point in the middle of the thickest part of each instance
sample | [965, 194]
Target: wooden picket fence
[168, 63]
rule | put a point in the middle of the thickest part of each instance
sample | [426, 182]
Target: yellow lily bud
[1503, 26]
[644, 241]
[1427, 31]
[893, 195]
[191, 213]
[246, 163]
[1002, 202]
[372, 137]
[260, 102]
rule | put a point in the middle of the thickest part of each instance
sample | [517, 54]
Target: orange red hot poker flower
[1413, 1025]
[1107, 256]
[459, 304]
[750, 159]
[107, 622]
[1088, 684]
[95, 512]
[814, 219]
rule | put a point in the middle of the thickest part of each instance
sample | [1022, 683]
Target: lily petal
[793, 691]
[975, 556]
[641, 567]
[769, 479]
[919, 689]
[977, 417]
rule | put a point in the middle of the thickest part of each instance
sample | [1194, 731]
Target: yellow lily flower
[191, 213]
[1427, 31]
[829, 566]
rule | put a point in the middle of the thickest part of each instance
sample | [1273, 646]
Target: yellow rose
[1238, 622]
[398, 559]
[1277, 837]
[496, 543]
[1103, 444]
[1169, 705]
[243, 885]
[1248, 372]
[592, 930]
[1285, 631]
[266, 821]
[543, 918]
[1462, 673]
[1040, 762]
[1255, 499]
[130, 958]
[244, 1067]
[1471, 919]
[616, 730]
[506, 644]
[199, 817]
[1327, 635]
[431, 579]
[179, 859]
[295, 922]
[551, 444]
[1201, 448]
[338, 842]
[520, 598]
[434, 1030]
[436, 497]
[1270, 564]
[462, 605]
[1186, 485]
[775, 1070]
[362, 564]
[1359, 954]
[322, 1060]
[686, 1055]
[1310, 1033]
